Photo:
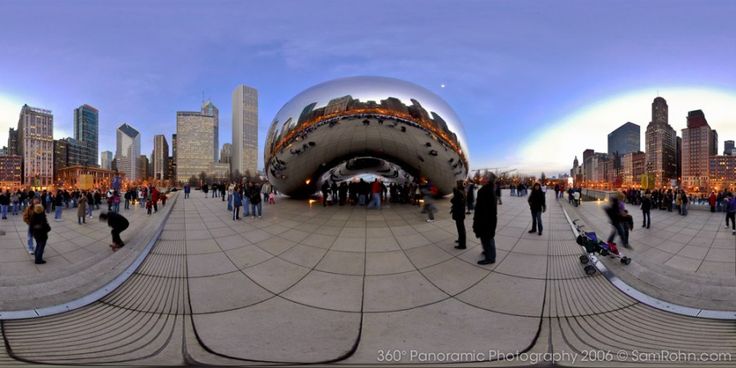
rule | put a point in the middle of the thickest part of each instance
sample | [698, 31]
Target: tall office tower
[713, 148]
[625, 139]
[87, 133]
[209, 109]
[196, 141]
[661, 145]
[678, 154]
[245, 130]
[106, 160]
[36, 145]
[588, 165]
[128, 151]
[68, 152]
[13, 142]
[226, 153]
[160, 157]
[696, 148]
[142, 167]
[172, 171]
[728, 148]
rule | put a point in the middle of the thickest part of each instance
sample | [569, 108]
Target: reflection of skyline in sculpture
[347, 106]
[349, 127]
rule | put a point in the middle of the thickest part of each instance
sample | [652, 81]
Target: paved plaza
[350, 286]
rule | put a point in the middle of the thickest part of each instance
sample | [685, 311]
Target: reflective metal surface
[349, 126]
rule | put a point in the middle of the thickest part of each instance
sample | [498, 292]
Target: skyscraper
[86, 132]
[696, 151]
[226, 153]
[13, 142]
[196, 141]
[661, 145]
[245, 130]
[106, 160]
[209, 109]
[128, 151]
[36, 145]
[728, 148]
[713, 147]
[172, 159]
[142, 167]
[625, 139]
[160, 157]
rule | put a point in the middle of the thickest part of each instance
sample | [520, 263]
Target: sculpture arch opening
[364, 125]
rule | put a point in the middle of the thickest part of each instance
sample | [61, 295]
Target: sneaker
[486, 262]
[430, 221]
[532, 231]
[30, 252]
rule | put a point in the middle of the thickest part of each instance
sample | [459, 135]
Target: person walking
[427, 192]
[615, 216]
[646, 207]
[712, 201]
[731, 211]
[82, 210]
[187, 189]
[118, 223]
[458, 213]
[205, 189]
[39, 227]
[4, 203]
[537, 206]
[237, 202]
[376, 190]
[485, 220]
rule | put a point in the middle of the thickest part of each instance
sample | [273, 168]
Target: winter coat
[117, 221]
[82, 207]
[537, 201]
[39, 226]
[646, 203]
[458, 204]
[237, 199]
[485, 218]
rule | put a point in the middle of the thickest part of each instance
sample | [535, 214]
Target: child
[149, 206]
[271, 198]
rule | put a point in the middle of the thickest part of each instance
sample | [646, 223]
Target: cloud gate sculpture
[347, 127]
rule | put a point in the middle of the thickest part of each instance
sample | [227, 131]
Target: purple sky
[511, 68]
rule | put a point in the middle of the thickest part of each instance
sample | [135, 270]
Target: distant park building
[10, 171]
[98, 177]
[160, 158]
[36, 146]
[106, 160]
[697, 147]
[633, 164]
[625, 139]
[722, 171]
[196, 141]
[128, 151]
[661, 145]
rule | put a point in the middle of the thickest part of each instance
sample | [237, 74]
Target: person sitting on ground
[118, 223]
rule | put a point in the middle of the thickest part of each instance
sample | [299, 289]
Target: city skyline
[538, 80]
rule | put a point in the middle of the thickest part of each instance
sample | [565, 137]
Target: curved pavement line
[99, 293]
[647, 299]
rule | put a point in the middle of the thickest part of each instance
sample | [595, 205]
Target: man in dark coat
[458, 213]
[470, 199]
[537, 206]
[485, 220]
[118, 223]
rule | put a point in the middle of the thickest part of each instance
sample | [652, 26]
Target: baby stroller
[589, 240]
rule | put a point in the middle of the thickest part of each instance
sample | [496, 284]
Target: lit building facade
[160, 158]
[697, 146]
[36, 146]
[196, 142]
[633, 166]
[86, 133]
[722, 170]
[13, 142]
[128, 151]
[728, 148]
[11, 174]
[661, 145]
[101, 178]
[625, 139]
[245, 130]
[142, 167]
[106, 160]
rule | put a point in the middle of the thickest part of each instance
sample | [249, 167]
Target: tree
[193, 181]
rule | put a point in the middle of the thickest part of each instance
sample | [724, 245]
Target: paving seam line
[647, 299]
[99, 293]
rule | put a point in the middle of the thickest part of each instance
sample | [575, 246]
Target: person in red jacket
[712, 201]
[154, 198]
[376, 190]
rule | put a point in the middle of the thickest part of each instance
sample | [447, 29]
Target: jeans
[647, 218]
[460, 225]
[16, 206]
[127, 204]
[236, 213]
[57, 215]
[619, 229]
[489, 247]
[30, 241]
[186, 195]
[683, 210]
[361, 199]
[4, 211]
[429, 209]
[229, 202]
[375, 201]
[116, 207]
[246, 207]
[89, 211]
[256, 209]
[537, 221]
[40, 246]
